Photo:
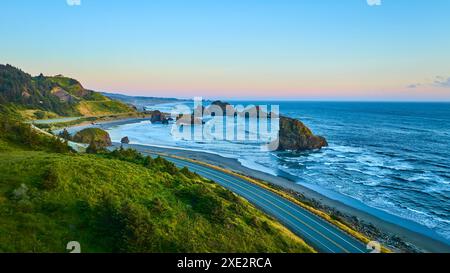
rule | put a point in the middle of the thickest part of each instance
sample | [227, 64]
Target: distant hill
[44, 96]
[140, 101]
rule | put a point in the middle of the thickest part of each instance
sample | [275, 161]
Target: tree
[39, 114]
[59, 146]
[148, 161]
[92, 148]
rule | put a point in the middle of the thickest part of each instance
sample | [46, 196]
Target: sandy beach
[101, 124]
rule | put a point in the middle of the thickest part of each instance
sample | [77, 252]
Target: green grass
[70, 85]
[93, 108]
[65, 124]
[122, 202]
[93, 103]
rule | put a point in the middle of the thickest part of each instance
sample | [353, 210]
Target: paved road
[320, 234]
[54, 120]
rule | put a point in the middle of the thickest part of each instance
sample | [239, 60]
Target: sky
[241, 49]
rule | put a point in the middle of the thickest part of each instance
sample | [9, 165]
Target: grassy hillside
[102, 107]
[119, 202]
[46, 97]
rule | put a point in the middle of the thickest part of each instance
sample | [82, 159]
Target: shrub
[203, 201]
[40, 114]
[92, 148]
[165, 166]
[138, 228]
[157, 205]
[185, 171]
[50, 179]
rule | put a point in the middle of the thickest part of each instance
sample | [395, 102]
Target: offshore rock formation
[188, 120]
[125, 140]
[221, 104]
[295, 136]
[158, 117]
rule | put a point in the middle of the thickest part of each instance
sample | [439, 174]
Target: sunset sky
[298, 49]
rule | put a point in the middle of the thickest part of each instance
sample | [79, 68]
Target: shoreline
[102, 124]
[387, 232]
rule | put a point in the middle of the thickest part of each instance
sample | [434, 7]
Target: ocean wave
[255, 166]
[345, 149]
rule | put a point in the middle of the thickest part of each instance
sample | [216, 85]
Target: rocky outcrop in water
[221, 104]
[185, 119]
[125, 140]
[295, 136]
[158, 117]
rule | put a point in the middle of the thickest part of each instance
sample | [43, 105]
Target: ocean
[393, 157]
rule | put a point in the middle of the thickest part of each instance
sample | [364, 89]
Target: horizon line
[286, 99]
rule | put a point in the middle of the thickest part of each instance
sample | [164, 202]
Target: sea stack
[125, 140]
[295, 136]
[158, 117]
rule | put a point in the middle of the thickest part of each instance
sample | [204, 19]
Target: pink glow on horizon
[250, 85]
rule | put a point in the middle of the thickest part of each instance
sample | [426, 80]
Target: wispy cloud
[414, 85]
[442, 82]
[374, 2]
[438, 81]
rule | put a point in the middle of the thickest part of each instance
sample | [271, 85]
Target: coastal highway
[317, 232]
